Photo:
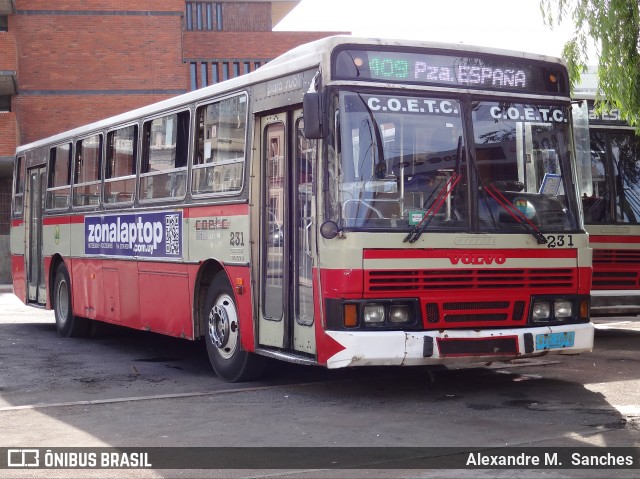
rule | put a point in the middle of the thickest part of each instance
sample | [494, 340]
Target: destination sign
[486, 72]
[603, 117]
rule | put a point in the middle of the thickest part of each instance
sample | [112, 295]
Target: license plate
[555, 340]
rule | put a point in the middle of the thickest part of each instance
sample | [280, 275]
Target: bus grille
[480, 313]
[390, 281]
[616, 269]
[616, 256]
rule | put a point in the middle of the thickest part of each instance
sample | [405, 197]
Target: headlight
[399, 313]
[541, 310]
[562, 309]
[374, 314]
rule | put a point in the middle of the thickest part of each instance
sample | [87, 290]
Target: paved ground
[135, 389]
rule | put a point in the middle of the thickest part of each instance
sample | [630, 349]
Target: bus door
[34, 264]
[286, 318]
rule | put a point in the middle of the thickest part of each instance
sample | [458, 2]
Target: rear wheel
[228, 359]
[68, 325]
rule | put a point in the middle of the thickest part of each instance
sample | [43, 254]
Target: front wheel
[68, 325]
[222, 324]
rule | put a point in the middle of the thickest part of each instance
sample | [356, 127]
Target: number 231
[237, 238]
[559, 241]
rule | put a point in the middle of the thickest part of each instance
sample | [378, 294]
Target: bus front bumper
[615, 302]
[414, 348]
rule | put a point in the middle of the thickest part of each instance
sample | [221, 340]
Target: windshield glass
[395, 156]
[522, 159]
[626, 162]
[398, 160]
[622, 176]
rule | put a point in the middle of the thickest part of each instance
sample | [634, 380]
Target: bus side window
[18, 196]
[59, 180]
[87, 171]
[120, 167]
[164, 162]
[219, 150]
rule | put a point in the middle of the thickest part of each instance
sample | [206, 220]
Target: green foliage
[614, 27]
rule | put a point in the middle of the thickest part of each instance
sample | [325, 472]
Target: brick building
[70, 62]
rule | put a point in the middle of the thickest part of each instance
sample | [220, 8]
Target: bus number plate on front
[555, 340]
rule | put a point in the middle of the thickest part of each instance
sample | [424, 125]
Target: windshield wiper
[515, 213]
[444, 193]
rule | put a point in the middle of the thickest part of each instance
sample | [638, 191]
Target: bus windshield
[400, 159]
[618, 180]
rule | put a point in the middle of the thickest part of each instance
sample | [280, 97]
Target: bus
[610, 191]
[354, 202]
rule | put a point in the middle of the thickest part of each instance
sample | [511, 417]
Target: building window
[5, 103]
[218, 16]
[201, 77]
[199, 16]
[205, 16]
[204, 74]
[4, 23]
[209, 16]
[215, 78]
[193, 69]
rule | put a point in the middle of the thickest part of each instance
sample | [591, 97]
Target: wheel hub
[219, 326]
[62, 302]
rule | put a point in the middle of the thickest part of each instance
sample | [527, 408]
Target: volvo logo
[477, 258]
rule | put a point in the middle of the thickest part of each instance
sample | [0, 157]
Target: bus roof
[297, 59]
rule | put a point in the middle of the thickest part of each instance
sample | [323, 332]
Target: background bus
[610, 187]
[422, 212]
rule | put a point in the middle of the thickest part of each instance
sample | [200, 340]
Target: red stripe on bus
[63, 220]
[217, 210]
[614, 239]
[444, 253]
[16, 223]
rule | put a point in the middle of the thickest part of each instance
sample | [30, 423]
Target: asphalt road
[136, 389]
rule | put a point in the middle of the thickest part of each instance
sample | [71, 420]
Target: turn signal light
[584, 309]
[350, 315]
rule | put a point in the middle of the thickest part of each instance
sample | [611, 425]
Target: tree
[614, 26]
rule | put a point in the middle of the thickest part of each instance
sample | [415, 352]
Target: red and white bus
[423, 210]
[610, 190]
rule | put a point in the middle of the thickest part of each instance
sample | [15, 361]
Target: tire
[222, 335]
[68, 325]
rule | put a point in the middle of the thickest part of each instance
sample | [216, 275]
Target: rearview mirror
[313, 116]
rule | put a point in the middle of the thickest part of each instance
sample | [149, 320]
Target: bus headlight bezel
[555, 310]
[374, 314]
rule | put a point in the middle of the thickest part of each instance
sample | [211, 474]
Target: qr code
[172, 224]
